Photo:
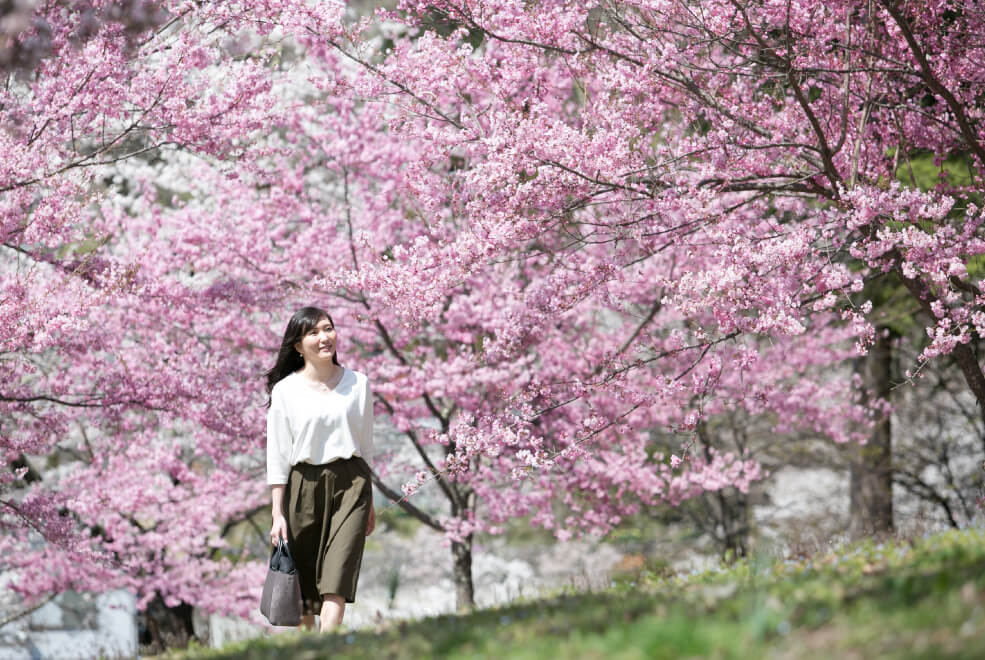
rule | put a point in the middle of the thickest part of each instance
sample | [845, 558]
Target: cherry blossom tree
[749, 104]
[726, 171]
[130, 376]
[171, 193]
[544, 230]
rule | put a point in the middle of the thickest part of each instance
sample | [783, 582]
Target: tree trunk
[735, 524]
[162, 627]
[462, 560]
[871, 490]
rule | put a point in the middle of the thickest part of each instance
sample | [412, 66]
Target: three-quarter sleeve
[279, 444]
[366, 448]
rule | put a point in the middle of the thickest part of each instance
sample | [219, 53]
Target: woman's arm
[366, 448]
[364, 428]
[279, 443]
[278, 530]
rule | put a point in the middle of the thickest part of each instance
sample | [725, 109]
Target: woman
[319, 439]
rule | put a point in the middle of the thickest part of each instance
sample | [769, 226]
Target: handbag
[281, 599]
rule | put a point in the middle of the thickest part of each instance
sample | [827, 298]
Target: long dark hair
[288, 358]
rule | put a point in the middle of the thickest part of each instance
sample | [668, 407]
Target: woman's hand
[278, 530]
[371, 522]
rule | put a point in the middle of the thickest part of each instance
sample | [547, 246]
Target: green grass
[899, 599]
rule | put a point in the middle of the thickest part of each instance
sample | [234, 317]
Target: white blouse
[306, 424]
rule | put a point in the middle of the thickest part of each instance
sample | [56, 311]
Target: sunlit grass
[898, 599]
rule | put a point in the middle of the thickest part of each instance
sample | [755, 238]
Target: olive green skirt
[327, 510]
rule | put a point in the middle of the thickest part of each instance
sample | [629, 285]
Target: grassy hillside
[919, 599]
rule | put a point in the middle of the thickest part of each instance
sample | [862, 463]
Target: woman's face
[318, 344]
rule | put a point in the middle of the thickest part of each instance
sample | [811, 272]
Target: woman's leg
[332, 609]
[344, 538]
[304, 513]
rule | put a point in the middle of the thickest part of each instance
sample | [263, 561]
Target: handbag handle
[281, 560]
